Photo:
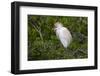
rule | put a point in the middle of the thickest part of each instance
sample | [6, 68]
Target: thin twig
[38, 30]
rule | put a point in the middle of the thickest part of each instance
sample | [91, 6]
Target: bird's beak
[54, 29]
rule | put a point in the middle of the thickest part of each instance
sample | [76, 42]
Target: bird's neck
[59, 27]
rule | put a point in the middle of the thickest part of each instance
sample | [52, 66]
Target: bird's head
[58, 25]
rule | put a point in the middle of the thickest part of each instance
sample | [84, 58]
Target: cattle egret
[63, 34]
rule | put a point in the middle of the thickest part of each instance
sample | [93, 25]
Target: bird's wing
[65, 36]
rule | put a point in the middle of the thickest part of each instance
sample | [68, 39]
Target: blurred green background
[43, 43]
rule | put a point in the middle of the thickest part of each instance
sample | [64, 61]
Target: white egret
[63, 34]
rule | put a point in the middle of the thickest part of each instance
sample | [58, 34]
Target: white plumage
[63, 34]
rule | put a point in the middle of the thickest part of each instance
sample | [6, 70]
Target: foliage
[43, 43]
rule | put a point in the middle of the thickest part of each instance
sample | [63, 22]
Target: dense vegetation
[43, 43]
